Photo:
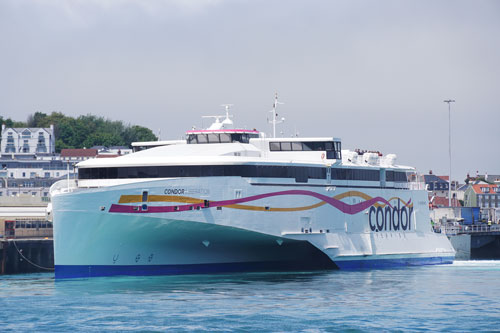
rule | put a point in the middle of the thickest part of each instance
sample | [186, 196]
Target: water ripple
[459, 297]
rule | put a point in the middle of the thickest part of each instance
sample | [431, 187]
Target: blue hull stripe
[387, 263]
[78, 271]
[83, 271]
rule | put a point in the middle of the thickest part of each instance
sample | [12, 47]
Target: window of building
[485, 189]
[26, 134]
[10, 148]
[40, 146]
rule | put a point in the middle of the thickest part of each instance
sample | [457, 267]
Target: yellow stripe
[158, 198]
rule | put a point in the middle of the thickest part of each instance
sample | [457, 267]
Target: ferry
[228, 199]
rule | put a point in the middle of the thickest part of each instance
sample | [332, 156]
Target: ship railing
[416, 186]
[63, 186]
[471, 229]
[415, 181]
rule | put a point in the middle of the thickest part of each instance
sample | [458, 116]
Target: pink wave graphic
[340, 205]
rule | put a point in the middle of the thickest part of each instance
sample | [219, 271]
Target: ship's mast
[274, 119]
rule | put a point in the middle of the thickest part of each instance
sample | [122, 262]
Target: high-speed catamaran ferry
[228, 199]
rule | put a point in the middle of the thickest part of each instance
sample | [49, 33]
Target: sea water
[464, 296]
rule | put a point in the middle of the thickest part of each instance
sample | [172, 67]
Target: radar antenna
[274, 119]
[218, 124]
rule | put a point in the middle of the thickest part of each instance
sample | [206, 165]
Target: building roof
[491, 178]
[78, 152]
[31, 129]
[478, 188]
[434, 178]
[443, 202]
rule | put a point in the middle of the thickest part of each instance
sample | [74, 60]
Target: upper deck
[222, 150]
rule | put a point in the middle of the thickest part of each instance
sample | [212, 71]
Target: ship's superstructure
[230, 199]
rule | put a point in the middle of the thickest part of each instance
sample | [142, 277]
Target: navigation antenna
[218, 124]
[273, 120]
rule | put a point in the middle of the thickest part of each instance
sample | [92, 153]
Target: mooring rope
[22, 255]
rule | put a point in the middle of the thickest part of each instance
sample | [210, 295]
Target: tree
[139, 133]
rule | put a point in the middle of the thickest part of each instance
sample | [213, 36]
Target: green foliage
[11, 123]
[85, 131]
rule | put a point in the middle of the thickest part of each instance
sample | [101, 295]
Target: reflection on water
[448, 297]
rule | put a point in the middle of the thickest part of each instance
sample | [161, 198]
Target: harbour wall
[26, 244]
[462, 244]
[26, 255]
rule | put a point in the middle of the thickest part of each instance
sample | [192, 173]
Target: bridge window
[220, 138]
[225, 138]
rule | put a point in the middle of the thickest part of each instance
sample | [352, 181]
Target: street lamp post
[449, 101]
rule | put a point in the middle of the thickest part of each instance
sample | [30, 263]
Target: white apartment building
[27, 140]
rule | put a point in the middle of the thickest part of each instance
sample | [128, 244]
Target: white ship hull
[217, 224]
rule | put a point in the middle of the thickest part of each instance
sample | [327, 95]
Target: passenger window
[286, 146]
[274, 146]
[307, 146]
[296, 145]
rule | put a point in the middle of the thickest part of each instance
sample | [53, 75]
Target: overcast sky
[374, 73]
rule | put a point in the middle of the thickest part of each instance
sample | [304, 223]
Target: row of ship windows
[304, 146]
[333, 149]
[220, 138]
[301, 174]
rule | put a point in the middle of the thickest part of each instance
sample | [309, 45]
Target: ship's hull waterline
[226, 224]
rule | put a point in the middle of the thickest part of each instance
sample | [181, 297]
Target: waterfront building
[28, 140]
[482, 195]
[113, 151]
[77, 155]
[438, 187]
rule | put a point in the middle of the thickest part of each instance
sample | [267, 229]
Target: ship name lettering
[390, 219]
[174, 191]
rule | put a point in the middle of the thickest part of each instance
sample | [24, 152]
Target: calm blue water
[464, 296]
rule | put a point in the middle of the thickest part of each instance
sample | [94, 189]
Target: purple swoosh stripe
[340, 205]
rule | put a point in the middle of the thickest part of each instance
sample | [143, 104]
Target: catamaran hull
[226, 224]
